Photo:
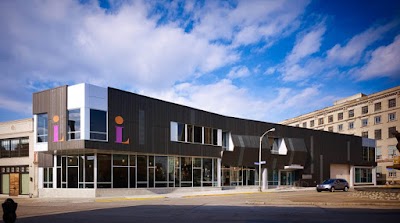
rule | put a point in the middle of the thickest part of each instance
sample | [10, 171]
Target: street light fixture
[259, 158]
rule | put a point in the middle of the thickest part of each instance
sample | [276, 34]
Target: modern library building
[91, 141]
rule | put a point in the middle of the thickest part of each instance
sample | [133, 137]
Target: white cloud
[384, 62]
[268, 19]
[223, 97]
[301, 64]
[351, 53]
[305, 46]
[239, 72]
[79, 41]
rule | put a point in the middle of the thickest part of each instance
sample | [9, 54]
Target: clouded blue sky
[264, 60]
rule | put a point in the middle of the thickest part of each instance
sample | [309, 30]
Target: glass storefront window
[120, 160]
[363, 175]
[186, 171]
[141, 171]
[161, 165]
[104, 168]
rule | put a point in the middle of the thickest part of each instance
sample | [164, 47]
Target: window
[189, 133]
[364, 122]
[369, 154]
[320, 121]
[392, 151]
[330, 128]
[312, 123]
[364, 134]
[48, 177]
[330, 118]
[392, 117]
[215, 137]
[16, 147]
[181, 132]
[351, 113]
[392, 103]
[363, 175]
[378, 153]
[378, 106]
[351, 125]
[391, 131]
[340, 116]
[364, 110]
[98, 124]
[304, 124]
[198, 134]
[340, 127]
[392, 173]
[207, 135]
[225, 140]
[377, 119]
[378, 134]
[74, 124]
[42, 127]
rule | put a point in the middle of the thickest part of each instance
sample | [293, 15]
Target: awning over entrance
[294, 167]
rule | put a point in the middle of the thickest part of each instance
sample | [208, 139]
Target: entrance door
[14, 184]
[286, 178]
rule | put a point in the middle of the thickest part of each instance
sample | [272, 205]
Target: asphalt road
[304, 206]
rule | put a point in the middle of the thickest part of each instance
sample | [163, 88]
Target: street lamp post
[259, 159]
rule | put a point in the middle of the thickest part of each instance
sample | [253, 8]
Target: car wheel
[332, 189]
[318, 190]
[346, 189]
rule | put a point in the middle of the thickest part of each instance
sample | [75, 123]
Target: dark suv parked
[333, 184]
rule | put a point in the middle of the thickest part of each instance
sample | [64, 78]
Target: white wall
[86, 97]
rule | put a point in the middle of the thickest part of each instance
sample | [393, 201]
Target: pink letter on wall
[118, 134]
[55, 132]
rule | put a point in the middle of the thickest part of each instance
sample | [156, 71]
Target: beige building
[372, 116]
[17, 169]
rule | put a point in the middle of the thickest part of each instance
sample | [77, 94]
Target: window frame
[364, 122]
[378, 106]
[69, 133]
[98, 132]
[45, 135]
[392, 103]
[364, 110]
[393, 114]
[380, 134]
[351, 113]
[340, 116]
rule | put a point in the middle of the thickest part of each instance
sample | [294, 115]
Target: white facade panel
[76, 96]
[96, 97]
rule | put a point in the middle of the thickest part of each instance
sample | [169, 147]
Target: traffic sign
[262, 162]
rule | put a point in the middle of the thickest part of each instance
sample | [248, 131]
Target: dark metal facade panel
[244, 141]
[147, 126]
[41, 102]
[45, 160]
[58, 117]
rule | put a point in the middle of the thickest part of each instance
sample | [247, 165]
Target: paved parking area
[299, 206]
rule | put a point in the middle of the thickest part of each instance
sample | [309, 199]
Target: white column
[54, 171]
[374, 175]
[264, 178]
[351, 176]
[95, 171]
[40, 178]
[219, 172]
